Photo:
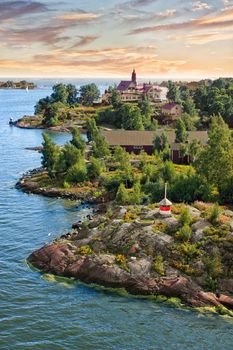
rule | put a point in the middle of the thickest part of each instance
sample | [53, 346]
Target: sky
[108, 38]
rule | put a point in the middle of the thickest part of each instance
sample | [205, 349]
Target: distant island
[23, 84]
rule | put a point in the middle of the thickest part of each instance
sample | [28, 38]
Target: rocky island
[127, 243]
[134, 248]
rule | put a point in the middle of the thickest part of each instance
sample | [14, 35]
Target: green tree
[136, 194]
[154, 125]
[161, 142]
[200, 98]
[60, 93]
[215, 161]
[77, 140]
[194, 149]
[189, 107]
[189, 121]
[181, 133]
[72, 94]
[173, 92]
[92, 130]
[146, 110]
[121, 157]
[42, 105]
[122, 196]
[89, 93]
[130, 117]
[115, 97]
[50, 154]
[219, 83]
[168, 171]
[150, 171]
[52, 113]
[183, 150]
[94, 168]
[69, 156]
[76, 173]
[100, 148]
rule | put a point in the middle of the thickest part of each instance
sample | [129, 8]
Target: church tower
[134, 77]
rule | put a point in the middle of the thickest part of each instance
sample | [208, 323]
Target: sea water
[43, 312]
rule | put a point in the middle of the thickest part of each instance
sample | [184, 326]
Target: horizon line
[120, 77]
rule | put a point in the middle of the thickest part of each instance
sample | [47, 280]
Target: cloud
[201, 39]
[84, 40]
[13, 9]
[199, 6]
[109, 60]
[135, 3]
[49, 34]
[223, 20]
[58, 65]
[145, 17]
[112, 64]
[78, 16]
[46, 35]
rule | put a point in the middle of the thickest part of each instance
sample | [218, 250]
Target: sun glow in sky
[90, 38]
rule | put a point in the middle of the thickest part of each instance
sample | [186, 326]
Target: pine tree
[181, 132]
[50, 154]
[215, 161]
[77, 140]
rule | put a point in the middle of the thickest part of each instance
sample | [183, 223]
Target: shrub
[77, 173]
[94, 169]
[185, 217]
[186, 251]
[129, 217]
[85, 250]
[122, 196]
[214, 214]
[160, 226]
[184, 234]
[112, 182]
[66, 185]
[213, 264]
[136, 194]
[158, 265]
[120, 259]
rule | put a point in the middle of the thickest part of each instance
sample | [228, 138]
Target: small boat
[26, 89]
[11, 121]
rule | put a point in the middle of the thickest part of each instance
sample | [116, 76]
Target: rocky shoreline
[29, 183]
[120, 247]
[97, 269]
[33, 122]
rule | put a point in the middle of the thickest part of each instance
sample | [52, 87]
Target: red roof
[124, 85]
[170, 105]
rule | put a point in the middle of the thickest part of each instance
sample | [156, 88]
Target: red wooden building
[136, 141]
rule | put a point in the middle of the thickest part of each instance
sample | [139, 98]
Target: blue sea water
[39, 312]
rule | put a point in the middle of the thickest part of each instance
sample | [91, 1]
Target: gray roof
[165, 202]
[145, 138]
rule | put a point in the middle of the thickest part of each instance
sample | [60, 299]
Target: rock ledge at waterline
[133, 247]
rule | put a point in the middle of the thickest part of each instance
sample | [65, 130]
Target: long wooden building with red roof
[136, 141]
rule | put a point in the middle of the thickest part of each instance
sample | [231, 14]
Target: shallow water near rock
[43, 312]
